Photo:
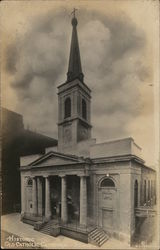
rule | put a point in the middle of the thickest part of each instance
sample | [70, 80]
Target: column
[64, 212]
[39, 190]
[83, 201]
[141, 193]
[22, 195]
[147, 191]
[144, 192]
[34, 196]
[47, 198]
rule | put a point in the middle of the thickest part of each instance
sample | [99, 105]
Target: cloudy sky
[118, 53]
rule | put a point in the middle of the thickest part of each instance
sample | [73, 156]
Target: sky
[118, 56]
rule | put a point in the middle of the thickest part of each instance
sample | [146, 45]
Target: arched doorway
[107, 203]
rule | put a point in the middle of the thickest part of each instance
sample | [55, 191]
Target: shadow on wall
[145, 233]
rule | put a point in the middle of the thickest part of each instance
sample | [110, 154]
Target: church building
[81, 189]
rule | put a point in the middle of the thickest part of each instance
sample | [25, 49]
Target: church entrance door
[107, 204]
[73, 194]
[55, 196]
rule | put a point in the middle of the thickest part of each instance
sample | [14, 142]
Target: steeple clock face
[82, 133]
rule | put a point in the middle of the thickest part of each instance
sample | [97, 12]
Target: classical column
[39, 189]
[34, 196]
[47, 198]
[83, 201]
[22, 196]
[64, 212]
[147, 191]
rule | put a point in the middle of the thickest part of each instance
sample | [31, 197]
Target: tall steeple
[74, 105]
[74, 68]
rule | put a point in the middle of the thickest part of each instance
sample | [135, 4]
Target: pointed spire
[74, 68]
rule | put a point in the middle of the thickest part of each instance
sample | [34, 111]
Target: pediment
[54, 158]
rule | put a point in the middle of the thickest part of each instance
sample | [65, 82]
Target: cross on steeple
[73, 12]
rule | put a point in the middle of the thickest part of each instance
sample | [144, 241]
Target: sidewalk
[11, 224]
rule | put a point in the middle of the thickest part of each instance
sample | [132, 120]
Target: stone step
[43, 228]
[45, 232]
[98, 237]
[102, 242]
[102, 238]
[46, 228]
[98, 234]
[94, 231]
[48, 233]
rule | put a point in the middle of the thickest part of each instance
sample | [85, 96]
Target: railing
[149, 203]
[145, 211]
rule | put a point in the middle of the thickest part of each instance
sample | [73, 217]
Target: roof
[74, 68]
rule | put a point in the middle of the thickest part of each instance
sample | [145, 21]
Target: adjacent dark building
[16, 142]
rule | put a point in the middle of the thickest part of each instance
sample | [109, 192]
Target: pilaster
[39, 190]
[34, 196]
[22, 195]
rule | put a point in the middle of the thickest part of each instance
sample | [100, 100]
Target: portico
[53, 192]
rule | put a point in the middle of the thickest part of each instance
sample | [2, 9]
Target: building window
[84, 109]
[67, 108]
[154, 191]
[154, 188]
[149, 191]
[29, 183]
[136, 194]
[144, 191]
[151, 188]
[107, 183]
[141, 193]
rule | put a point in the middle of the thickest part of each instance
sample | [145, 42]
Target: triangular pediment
[55, 159]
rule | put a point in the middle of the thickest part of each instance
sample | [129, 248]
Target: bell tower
[74, 100]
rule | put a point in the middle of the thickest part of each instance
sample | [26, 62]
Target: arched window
[136, 194]
[107, 183]
[67, 108]
[84, 109]
[29, 183]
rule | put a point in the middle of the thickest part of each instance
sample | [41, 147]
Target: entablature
[66, 86]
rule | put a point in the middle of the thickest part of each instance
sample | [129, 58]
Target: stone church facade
[80, 187]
